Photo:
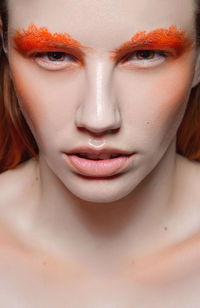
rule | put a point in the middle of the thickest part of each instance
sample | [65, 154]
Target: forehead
[97, 21]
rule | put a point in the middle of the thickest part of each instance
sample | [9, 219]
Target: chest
[28, 285]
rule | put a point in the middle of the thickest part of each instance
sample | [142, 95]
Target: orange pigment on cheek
[40, 38]
[171, 38]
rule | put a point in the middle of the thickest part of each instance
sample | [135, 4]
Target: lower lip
[98, 168]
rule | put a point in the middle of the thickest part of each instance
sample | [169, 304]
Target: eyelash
[158, 57]
[161, 53]
[126, 60]
[54, 52]
[57, 64]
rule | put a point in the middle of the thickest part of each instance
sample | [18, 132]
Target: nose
[98, 111]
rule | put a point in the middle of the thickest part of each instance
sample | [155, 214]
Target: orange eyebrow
[170, 38]
[40, 38]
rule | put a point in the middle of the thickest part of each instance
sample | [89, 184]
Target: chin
[99, 197]
[101, 191]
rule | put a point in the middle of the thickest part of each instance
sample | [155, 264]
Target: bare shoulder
[15, 183]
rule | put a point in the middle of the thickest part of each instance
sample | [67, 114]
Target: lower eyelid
[55, 65]
[69, 62]
[159, 58]
[144, 64]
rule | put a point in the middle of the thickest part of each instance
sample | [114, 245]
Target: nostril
[99, 134]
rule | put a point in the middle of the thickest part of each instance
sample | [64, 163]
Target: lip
[107, 150]
[98, 168]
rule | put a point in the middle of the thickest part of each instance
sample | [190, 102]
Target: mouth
[103, 156]
[98, 165]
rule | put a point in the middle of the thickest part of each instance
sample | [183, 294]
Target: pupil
[145, 54]
[55, 55]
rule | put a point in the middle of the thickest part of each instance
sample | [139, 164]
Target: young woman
[99, 143]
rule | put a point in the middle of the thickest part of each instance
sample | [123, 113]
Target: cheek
[171, 93]
[47, 99]
[156, 101]
[28, 99]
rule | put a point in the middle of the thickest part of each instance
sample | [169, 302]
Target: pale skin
[99, 243]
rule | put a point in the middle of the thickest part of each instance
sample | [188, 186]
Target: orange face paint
[159, 39]
[41, 39]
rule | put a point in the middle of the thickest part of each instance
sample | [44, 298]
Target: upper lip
[106, 150]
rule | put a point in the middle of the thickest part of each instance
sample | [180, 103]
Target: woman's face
[92, 86]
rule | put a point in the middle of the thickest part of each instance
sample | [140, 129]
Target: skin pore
[85, 99]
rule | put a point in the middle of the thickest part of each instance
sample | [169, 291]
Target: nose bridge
[99, 89]
[98, 110]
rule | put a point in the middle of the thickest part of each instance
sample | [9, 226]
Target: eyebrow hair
[170, 38]
[42, 39]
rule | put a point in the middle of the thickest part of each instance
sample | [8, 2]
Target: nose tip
[98, 124]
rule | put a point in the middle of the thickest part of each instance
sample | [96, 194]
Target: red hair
[16, 140]
[17, 143]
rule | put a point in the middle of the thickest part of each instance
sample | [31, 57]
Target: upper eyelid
[167, 51]
[63, 63]
[160, 52]
[46, 53]
[37, 53]
[164, 52]
[76, 55]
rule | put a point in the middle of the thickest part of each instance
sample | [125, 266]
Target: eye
[58, 56]
[145, 54]
[54, 60]
[145, 58]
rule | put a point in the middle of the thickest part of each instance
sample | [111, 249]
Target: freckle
[147, 122]
[165, 228]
